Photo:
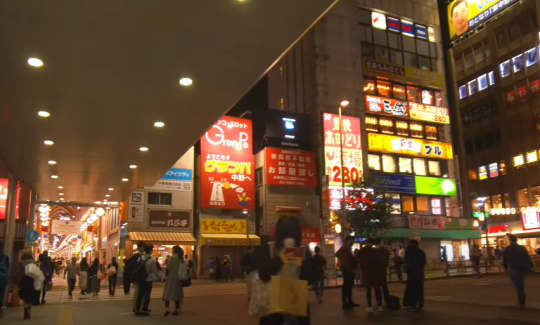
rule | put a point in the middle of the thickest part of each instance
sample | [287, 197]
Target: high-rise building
[494, 76]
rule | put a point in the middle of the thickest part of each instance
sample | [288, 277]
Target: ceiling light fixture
[43, 114]
[159, 124]
[54, 176]
[111, 189]
[133, 166]
[51, 162]
[34, 62]
[186, 81]
[59, 187]
[144, 149]
[107, 195]
[61, 194]
[125, 179]
[48, 142]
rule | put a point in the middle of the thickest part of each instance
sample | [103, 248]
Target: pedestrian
[227, 267]
[319, 266]
[83, 276]
[129, 267]
[476, 255]
[4, 277]
[94, 276]
[46, 266]
[347, 264]
[397, 265]
[27, 277]
[112, 275]
[71, 271]
[518, 263]
[373, 274]
[415, 261]
[174, 289]
[245, 264]
[145, 274]
[190, 265]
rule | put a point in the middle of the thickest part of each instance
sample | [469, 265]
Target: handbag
[259, 300]
[111, 271]
[32, 270]
[288, 296]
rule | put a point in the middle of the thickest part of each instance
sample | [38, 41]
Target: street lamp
[481, 205]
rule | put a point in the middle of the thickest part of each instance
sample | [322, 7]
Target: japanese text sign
[408, 146]
[169, 219]
[227, 165]
[429, 113]
[290, 167]
[386, 106]
[310, 235]
[223, 226]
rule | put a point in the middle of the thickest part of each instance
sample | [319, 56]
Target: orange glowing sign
[429, 113]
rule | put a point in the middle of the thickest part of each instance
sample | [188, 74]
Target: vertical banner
[227, 165]
[3, 197]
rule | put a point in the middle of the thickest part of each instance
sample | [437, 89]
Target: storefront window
[402, 128]
[413, 94]
[422, 205]
[419, 166]
[407, 204]
[389, 165]
[369, 86]
[427, 97]
[417, 130]
[405, 165]
[518, 160]
[399, 92]
[532, 157]
[374, 162]
[521, 197]
[436, 206]
[434, 167]
[372, 124]
[431, 132]
[383, 88]
[387, 126]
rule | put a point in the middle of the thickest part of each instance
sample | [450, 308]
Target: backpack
[140, 274]
[4, 269]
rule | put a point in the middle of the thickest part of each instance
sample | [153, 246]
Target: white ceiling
[112, 69]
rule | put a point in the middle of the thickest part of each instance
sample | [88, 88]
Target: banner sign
[530, 219]
[394, 183]
[465, 15]
[177, 179]
[227, 165]
[3, 197]
[223, 226]
[386, 106]
[429, 113]
[352, 149]
[408, 146]
[65, 227]
[290, 167]
[310, 235]
[169, 219]
[435, 186]
[426, 222]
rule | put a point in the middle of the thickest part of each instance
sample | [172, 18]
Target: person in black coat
[415, 260]
[46, 266]
[26, 285]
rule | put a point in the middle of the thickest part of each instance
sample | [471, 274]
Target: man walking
[4, 277]
[347, 265]
[45, 264]
[476, 254]
[319, 265]
[71, 271]
[415, 260]
[145, 274]
[518, 263]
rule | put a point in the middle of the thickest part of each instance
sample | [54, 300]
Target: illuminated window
[496, 201]
[402, 128]
[405, 165]
[472, 175]
[407, 203]
[387, 126]
[521, 197]
[374, 162]
[417, 130]
[532, 156]
[438, 99]
[505, 69]
[369, 86]
[463, 92]
[482, 173]
[434, 167]
[419, 165]
[482, 82]
[372, 124]
[427, 97]
[422, 205]
[518, 160]
[493, 170]
[472, 86]
[383, 88]
[413, 94]
[517, 63]
[399, 92]
[502, 168]
[431, 132]
[491, 78]
[436, 206]
[389, 164]
[394, 201]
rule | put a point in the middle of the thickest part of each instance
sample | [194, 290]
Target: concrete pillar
[9, 236]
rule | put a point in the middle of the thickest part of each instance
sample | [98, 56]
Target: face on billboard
[459, 14]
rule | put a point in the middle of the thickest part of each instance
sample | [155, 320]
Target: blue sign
[177, 174]
[393, 24]
[394, 183]
[32, 236]
[421, 31]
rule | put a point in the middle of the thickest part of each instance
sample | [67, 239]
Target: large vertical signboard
[466, 15]
[3, 197]
[227, 165]
[290, 167]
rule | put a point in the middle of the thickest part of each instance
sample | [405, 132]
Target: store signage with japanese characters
[227, 165]
[223, 226]
[408, 146]
[290, 167]
[177, 179]
[352, 169]
[426, 222]
[3, 197]
[310, 235]
[169, 219]
[530, 218]
[429, 113]
[386, 106]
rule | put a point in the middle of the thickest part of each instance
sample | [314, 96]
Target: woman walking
[112, 271]
[174, 290]
[94, 277]
[83, 276]
[27, 273]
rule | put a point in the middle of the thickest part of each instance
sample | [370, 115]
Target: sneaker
[380, 308]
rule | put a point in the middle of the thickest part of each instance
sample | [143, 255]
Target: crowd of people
[220, 268]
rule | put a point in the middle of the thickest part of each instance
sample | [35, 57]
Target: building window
[381, 53]
[431, 132]
[419, 166]
[532, 157]
[383, 88]
[394, 202]
[387, 126]
[389, 165]
[372, 124]
[409, 44]
[468, 59]
[374, 162]
[394, 41]
[402, 128]
[482, 173]
[156, 198]
[410, 59]
[427, 97]
[407, 204]
[379, 37]
[496, 201]
[413, 94]
[422, 205]
[438, 99]
[436, 206]
[424, 63]
[417, 130]
[396, 57]
[493, 170]
[405, 165]
[502, 167]
[399, 91]
[518, 160]
[522, 199]
[423, 47]
[472, 174]
[434, 167]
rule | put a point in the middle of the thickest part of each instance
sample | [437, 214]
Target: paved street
[488, 300]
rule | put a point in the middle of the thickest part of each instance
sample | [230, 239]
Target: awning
[432, 234]
[229, 240]
[176, 238]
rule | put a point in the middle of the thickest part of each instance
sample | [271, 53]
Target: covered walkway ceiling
[112, 68]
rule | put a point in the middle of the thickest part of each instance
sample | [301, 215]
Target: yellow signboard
[424, 77]
[409, 146]
[429, 113]
[223, 226]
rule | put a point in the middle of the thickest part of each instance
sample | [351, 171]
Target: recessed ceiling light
[34, 62]
[51, 162]
[144, 149]
[54, 176]
[125, 179]
[133, 166]
[59, 187]
[60, 194]
[186, 81]
[107, 195]
[111, 189]
[159, 124]
[48, 142]
[43, 114]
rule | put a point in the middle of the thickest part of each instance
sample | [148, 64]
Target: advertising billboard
[435, 186]
[386, 106]
[352, 149]
[169, 219]
[429, 113]
[465, 15]
[290, 167]
[530, 219]
[179, 179]
[227, 165]
[223, 226]
[3, 197]
[394, 183]
[408, 146]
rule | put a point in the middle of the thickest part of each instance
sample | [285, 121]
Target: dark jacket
[93, 270]
[373, 263]
[415, 260]
[517, 258]
[45, 264]
[83, 266]
[318, 263]
[347, 262]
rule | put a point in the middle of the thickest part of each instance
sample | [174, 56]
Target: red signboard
[227, 165]
[497, 229]
[386, 106]
[310, 235]
[290, 167]
[530, 219]
[3, 197]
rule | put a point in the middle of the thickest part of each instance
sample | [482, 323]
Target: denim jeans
[518, 279]
[318, 287]
[71, 285]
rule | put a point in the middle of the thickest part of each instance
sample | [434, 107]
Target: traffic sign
[32, 236]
